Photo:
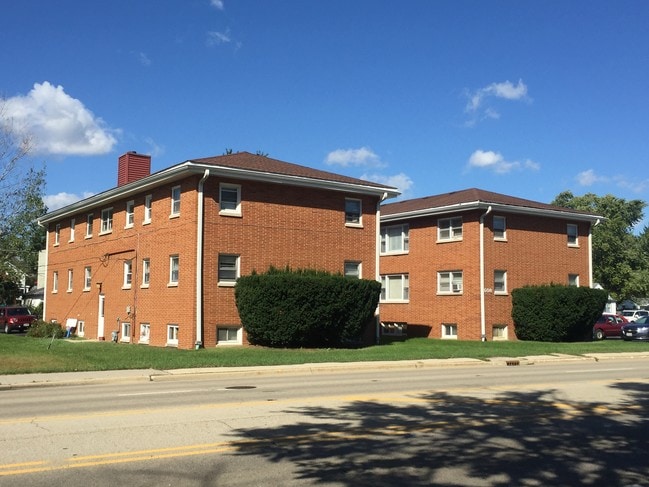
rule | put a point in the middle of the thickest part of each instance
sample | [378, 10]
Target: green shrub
[555, 313]
[305, 308]
[45, 329]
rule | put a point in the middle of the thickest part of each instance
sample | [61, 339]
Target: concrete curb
[23, 381]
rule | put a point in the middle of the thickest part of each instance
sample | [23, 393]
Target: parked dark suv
[15, 318]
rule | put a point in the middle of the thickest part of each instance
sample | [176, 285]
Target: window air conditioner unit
[457, 288]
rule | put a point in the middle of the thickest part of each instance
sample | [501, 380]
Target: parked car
[634, 314]
[638, 330]
[15, 318]
[608, 325]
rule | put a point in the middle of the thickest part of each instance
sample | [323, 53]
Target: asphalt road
[567, 424]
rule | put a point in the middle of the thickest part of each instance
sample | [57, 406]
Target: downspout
[483, 326]
[200, 228]
[590, 252]
[377, 263]
[47, 260]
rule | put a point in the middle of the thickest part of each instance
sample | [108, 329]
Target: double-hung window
[395, 287]
[87, 278]
[228, 269]
[146, 272]
[174, 270]
[230, 199]
[147, 209]
[145, 332]
[353, 212]
[130, 214]
[175, 201]
[89, 222]
[500, 228]
[70, 279]
[573, 235]
[395, 239]
[128, 274]
[57, 234]
[72, 225]
[449, 229]
[449, 282]
[500, 282]
[172, 335]
[55, 282]
[106, 220]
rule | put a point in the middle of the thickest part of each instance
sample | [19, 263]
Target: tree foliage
[21, 203]
[620, 258]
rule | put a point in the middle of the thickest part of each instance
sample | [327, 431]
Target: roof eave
[482, 205]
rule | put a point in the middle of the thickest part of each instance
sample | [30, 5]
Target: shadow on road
[513, 439]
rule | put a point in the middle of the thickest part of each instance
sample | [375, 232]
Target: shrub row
[305, 308]
[555, 313]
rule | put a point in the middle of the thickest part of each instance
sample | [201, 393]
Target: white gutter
[483, 326]
[377, 264]
[200, 203]
[590, 253]
[47, 260]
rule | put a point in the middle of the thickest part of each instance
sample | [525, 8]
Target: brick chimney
[132, 166]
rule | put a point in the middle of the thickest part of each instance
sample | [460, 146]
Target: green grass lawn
[21, 354]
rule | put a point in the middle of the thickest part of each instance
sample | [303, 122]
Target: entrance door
[100, 318]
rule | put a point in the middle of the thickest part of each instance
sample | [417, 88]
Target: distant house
[449, 262]
[155, 259]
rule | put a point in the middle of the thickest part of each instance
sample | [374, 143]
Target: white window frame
[399, 234]
[128, 274]
[70, 280]
[175, 201]
[148, 199]
[572, 231]
[353, 215]
[450, 282]
[55, 281]
[236, 339]
[500, 278]
[224, 263]
[227, 206]
[449, 331]
[89, 224]
[81, 328]
[353, 269]
[501, 334]
[145, 333]
[172, 335]
[387, 297]
[72, 226]
[106, 221]
[87, 278]
[448, 229]
[130, 214]
[146, 272]
[573, 280]
[500, 230]
[125, 332]
[174, 268]
[57, 234]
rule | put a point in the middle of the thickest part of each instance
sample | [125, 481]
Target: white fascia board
[495, 207]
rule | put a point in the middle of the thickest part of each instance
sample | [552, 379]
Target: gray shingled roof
[470, 199]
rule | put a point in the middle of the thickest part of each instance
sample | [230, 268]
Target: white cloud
[215, 38]
[635, 185]
[400, 181]
[56, 201]
[143, 59]
[218, 4]
[496, 162]
[155, 150]
[58, 123]
[354, 157]
[588, 178]
[478, 107]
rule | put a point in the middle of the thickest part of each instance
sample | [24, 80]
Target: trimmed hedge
[555, 313]
[45, 329]
[305, 308]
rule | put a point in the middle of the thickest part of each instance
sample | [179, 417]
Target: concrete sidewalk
[19, 381]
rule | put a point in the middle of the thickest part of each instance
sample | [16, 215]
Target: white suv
[634, 314]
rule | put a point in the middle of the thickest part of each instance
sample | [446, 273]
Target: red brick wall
[535, 252]
[280, 225]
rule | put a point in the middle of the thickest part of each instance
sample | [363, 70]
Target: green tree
[21, 203]
[619, 263]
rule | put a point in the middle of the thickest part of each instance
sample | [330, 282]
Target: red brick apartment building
[155, 259]
[449, 262]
